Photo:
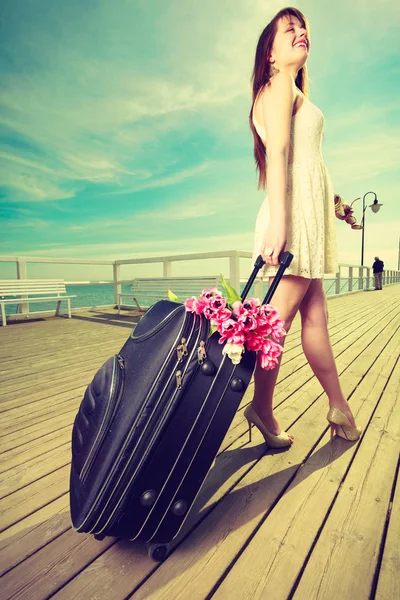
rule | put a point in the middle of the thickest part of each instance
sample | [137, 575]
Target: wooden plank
[208, 551]
[49, 327]
[17, 418]
[26, 537]
[47, 356]
[344, 558]
[17, 439]
[37, 447]
[44, 341]
[22, 475]
[48, 381]
[62, 409]
[389, 575]
[31, 498]
[59, 360]
[47, 344]
[27, 400]
[44, 572]
[70, 382]
[38, 407]
[33, 331]
[12, 534]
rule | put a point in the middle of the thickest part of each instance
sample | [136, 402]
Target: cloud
[120, 250]
[90, 112]
[194, 207]
[162, 181]
[30, 188]
[374, 115]
[16, 225]
[366, 157]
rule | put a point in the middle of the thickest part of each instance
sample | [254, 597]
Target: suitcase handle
[285, 258]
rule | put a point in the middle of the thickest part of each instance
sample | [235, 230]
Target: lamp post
[375, 208]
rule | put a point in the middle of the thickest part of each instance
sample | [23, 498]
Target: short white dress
[311, 235]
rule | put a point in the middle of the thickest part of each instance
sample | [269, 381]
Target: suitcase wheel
[158, 552]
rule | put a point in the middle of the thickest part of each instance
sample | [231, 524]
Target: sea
[97, 295]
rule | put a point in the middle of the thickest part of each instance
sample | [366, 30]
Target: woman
[298, 214]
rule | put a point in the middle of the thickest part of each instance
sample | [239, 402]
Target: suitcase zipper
[187, 340]
[114, 517]
[115, 388]
[201, 353]
[182, 350]
[184, 445]
[178, 377]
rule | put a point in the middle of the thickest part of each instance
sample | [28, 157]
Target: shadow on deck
[321, 520]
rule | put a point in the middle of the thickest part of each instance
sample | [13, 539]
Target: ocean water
[89, 296]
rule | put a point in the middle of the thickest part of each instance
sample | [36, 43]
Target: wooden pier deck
[321, 520]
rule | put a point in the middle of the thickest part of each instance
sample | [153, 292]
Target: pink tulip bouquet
[246, 325]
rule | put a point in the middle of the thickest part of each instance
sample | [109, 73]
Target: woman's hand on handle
[274, 243]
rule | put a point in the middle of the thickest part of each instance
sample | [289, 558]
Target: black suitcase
[151, 423]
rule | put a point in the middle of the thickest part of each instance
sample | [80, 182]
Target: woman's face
[291, 44]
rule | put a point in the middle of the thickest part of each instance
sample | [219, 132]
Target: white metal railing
[358, 278]
[234, 257]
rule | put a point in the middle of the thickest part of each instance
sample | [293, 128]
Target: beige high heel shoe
[340, 423]
[273, 441]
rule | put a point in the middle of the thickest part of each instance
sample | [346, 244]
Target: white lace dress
[311, 230]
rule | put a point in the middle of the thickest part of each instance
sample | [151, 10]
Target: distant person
[377, 268]
[297, 215]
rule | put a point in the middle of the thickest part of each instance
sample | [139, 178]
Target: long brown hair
[261, 75]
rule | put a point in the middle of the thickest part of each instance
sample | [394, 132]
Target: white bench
[157, 288]
[23, 291]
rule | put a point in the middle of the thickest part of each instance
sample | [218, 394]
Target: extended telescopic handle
[285, 258]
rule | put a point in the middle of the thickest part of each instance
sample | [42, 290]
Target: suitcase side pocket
[95, 414]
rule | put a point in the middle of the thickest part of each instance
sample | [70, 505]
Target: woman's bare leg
[287, 299]
[317, 345]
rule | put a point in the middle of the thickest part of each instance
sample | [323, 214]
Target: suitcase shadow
[256, 499]
[224, 504]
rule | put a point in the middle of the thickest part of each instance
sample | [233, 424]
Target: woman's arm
[277, 106]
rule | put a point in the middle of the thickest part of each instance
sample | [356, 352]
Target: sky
[124, 126]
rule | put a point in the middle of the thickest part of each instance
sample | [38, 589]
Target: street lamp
[375, 206]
